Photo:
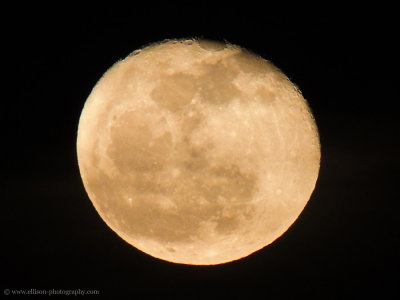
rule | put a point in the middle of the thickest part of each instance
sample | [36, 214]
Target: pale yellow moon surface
[197, 152]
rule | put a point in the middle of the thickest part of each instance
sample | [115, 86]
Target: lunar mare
[197, 152]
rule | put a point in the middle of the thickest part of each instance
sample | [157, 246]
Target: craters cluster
[168, 188]
[170, 182]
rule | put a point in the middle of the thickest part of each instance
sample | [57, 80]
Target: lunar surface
[197, 152]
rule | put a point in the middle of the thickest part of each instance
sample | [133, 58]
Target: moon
[197, 152]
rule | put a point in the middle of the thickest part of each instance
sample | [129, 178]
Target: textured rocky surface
[197, 152]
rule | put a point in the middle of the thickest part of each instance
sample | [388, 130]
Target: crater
[210, 45]
[136, 52]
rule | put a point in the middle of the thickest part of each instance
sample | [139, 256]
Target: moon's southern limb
[197, 152]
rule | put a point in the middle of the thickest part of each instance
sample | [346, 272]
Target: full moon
[197, 152]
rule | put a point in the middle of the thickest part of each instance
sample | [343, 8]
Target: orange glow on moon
[197, 152]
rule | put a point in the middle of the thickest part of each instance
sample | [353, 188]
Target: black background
[345, 242]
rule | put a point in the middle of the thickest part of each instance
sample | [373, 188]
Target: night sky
[346, 241]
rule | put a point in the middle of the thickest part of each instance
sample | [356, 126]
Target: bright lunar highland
[197, 152]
